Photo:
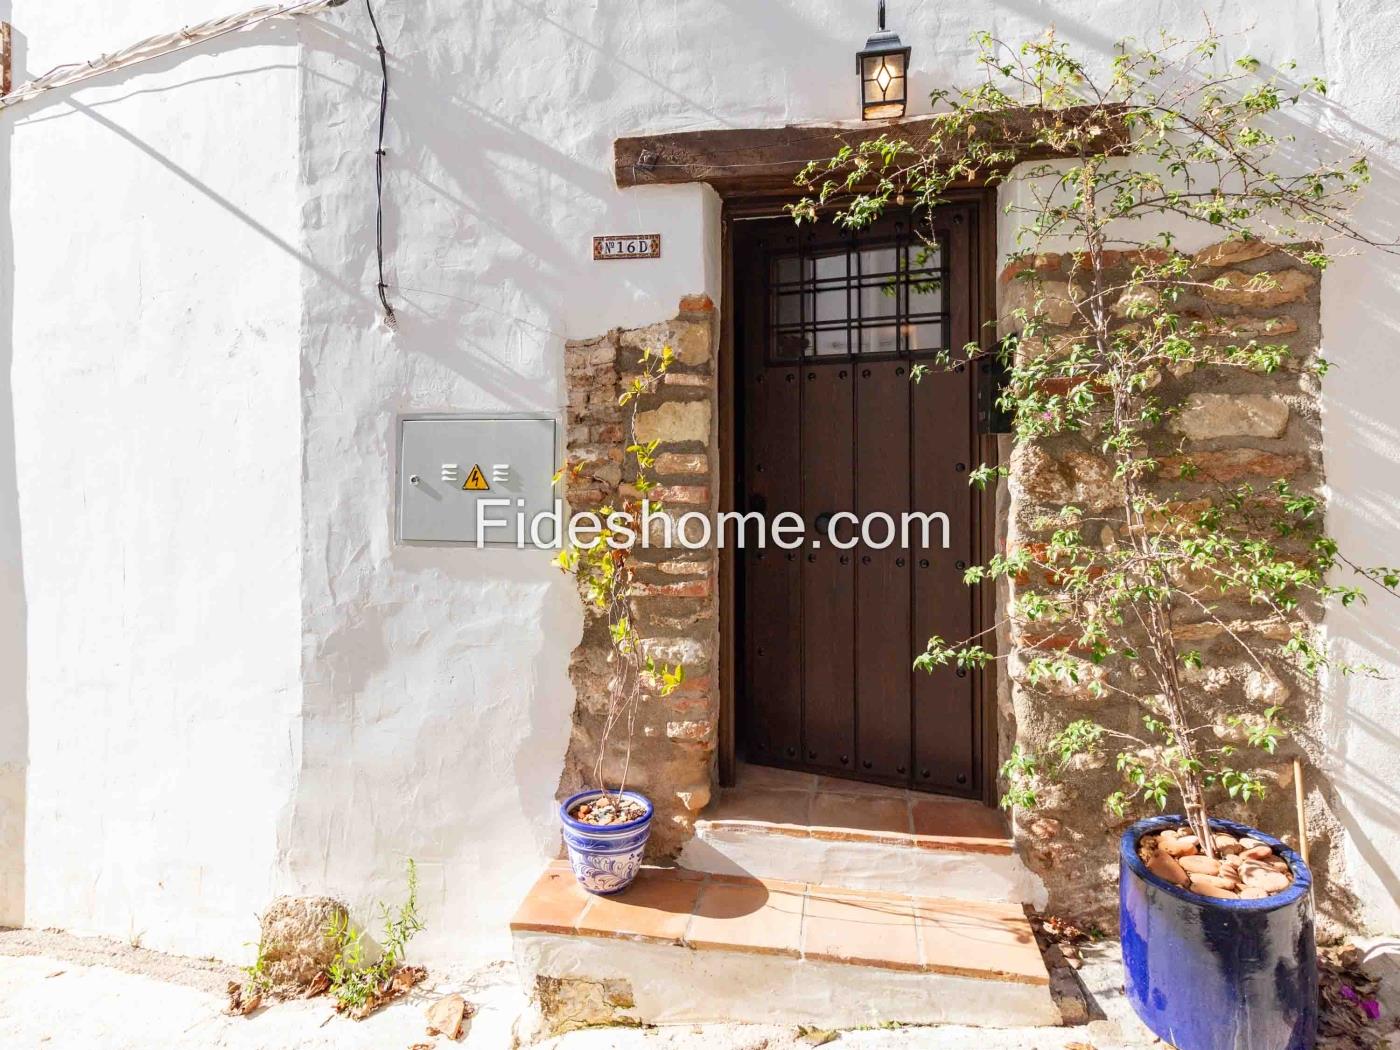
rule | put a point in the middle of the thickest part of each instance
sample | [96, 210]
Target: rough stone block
[669, 463]
[296, 945]
[690, 341]
[691, 653]
[1079, 478]
[1265, 687]
[690, 494]
[675, 421]
[1228, 253]
[698, 588]
[1137, 303]
[681, 567]
[1243, 329]
[694, 798]
[688, 379]
[569, 1003]
[1233, 464]
[1081, 685]
[696, 732]
[1259, 290]
[1043, 263]
[1052, 301]
[1206, 416]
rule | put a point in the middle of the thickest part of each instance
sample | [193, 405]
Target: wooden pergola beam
[754, 160]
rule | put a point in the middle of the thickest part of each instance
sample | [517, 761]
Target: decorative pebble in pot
[1218, 953]
[605, 832]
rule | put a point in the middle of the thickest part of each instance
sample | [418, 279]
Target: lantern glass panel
[883, 84]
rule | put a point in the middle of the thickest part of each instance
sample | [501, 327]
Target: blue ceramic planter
[1210, 974]
[605, 859]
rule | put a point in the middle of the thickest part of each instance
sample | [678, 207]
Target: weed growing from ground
[359, 986]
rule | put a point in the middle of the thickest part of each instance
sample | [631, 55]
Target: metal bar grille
[878, 297]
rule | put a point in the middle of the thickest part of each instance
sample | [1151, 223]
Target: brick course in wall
[674, 605]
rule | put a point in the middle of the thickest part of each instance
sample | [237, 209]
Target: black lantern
[883, 67]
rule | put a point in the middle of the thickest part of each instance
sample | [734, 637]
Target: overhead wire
[158, 46]
[161, 44]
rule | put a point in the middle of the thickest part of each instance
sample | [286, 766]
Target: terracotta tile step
[831, 809]
[965, 827]
[891, 931]
[801, 827]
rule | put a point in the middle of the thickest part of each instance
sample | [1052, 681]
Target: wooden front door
[827, 327]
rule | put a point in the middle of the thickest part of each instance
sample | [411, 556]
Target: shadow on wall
[1359, 720]
[458, 137]
[460, 175]
[14, 712]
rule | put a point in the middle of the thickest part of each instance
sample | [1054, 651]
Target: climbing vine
[1164, 136]
[602, 567]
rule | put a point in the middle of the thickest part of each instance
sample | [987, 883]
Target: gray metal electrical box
[448, 465]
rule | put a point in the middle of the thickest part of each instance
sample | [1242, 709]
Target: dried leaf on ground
[242, 999]
[1057, 940]
[396, 987]
[319, 985]
[405, 977]
[1063, 930]
[447, 1015]
[815, 1036]
[1349, 1012]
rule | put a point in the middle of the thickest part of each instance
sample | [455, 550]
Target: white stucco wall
[155, 337]
[237, 684]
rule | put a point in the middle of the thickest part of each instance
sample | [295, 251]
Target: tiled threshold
[692, 947]
[800, 827]
[805, 805]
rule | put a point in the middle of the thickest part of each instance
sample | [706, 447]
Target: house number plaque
[627, 246]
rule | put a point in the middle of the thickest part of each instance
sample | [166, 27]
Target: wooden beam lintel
[758, 160]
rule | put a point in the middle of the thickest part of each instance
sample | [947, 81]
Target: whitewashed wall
[236, 683]
[155, 333]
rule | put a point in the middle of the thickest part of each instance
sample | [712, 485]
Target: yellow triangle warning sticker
[476, 481]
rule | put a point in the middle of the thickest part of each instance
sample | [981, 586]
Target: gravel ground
[59, 992]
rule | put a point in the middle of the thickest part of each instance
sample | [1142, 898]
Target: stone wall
[1237, 426]
[675, 606]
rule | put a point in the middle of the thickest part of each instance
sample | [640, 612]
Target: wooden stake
[5, 58]
[1302, 817]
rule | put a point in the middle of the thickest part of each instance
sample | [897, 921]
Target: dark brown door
[828, 326]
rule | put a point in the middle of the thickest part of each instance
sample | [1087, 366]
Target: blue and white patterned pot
[605, 858]
[1210, 974]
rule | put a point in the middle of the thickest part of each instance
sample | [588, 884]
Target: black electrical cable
[383, 288]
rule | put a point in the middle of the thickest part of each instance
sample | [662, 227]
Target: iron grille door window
[869, 297]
